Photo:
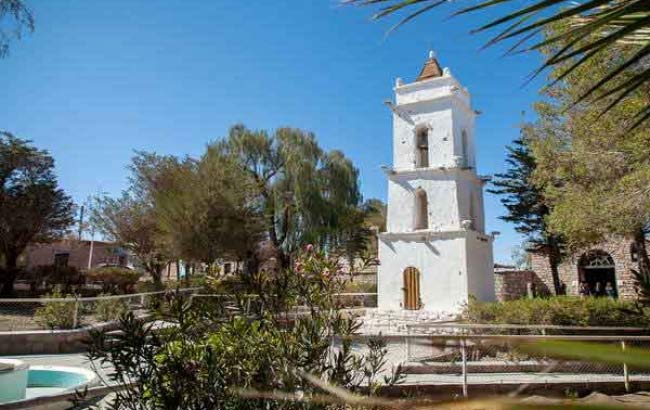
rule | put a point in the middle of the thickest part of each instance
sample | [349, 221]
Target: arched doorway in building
[596, 269]
[411, 288]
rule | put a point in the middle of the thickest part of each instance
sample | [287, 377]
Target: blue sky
[98, 80]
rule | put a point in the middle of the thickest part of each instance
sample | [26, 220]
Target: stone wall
[620, 250]
[512, 284]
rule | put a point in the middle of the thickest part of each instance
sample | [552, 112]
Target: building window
[422, 148]
[227, 268]
[421, 210]
[61, 259]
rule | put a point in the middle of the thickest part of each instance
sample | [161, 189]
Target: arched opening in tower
[421, 209]
[422, 145]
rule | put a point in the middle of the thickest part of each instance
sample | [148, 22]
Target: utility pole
[81, 222]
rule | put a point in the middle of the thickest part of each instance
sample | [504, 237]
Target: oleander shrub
[558, 310]
[218, 354]
[108, 310]
[56, 315]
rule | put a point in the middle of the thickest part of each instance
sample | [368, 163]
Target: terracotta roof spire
[431, 68]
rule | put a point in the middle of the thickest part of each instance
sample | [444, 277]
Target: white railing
[70, 312]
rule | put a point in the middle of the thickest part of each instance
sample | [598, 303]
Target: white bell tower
[435, 253]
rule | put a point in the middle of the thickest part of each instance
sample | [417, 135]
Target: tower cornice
[426, 235]
[440, 173]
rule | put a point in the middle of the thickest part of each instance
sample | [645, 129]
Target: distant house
[69, 252]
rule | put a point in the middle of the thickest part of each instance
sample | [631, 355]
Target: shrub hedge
[559, 310]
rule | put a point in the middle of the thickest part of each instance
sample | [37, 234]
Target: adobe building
[72, 252]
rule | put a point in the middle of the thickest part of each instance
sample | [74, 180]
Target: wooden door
[411, 288]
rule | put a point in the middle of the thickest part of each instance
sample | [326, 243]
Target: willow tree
[596, 174]
[306, 194]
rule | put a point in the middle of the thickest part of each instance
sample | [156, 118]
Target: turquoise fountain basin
[19, 381]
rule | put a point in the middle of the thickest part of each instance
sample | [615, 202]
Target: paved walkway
[79, 360]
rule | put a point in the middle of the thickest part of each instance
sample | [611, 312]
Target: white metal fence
[25, 314]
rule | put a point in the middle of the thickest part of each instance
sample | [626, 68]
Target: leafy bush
[56, 315]
[115, 280]
[216, 351]
[559, 310]
[108, 310]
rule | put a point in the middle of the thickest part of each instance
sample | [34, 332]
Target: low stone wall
[512, 284]
[47, 341]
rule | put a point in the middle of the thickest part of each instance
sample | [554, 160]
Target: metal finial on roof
[432, 54]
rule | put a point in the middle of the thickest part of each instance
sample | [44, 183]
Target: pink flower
[309, 248]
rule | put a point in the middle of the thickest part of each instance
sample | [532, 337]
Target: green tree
[306, 195]
[526, 205]
[131, 219]
[32, 206]
[588, 30]
[15, 20]
[595, 176]
[209, 209]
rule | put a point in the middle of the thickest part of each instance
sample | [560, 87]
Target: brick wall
[618, 248]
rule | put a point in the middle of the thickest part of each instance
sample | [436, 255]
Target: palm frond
[592, 27]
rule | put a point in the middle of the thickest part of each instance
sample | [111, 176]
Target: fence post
[142, 299]
[75, 314]
[407, 342]
[626, 375]
[463, 352]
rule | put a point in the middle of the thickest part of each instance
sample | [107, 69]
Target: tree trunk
[554, 261]
[642, 252]
[10, 273]
[155, 270]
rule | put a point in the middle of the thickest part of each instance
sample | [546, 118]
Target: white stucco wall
[480, 267]
[451, 193]
[443, 280]
[454, 259]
